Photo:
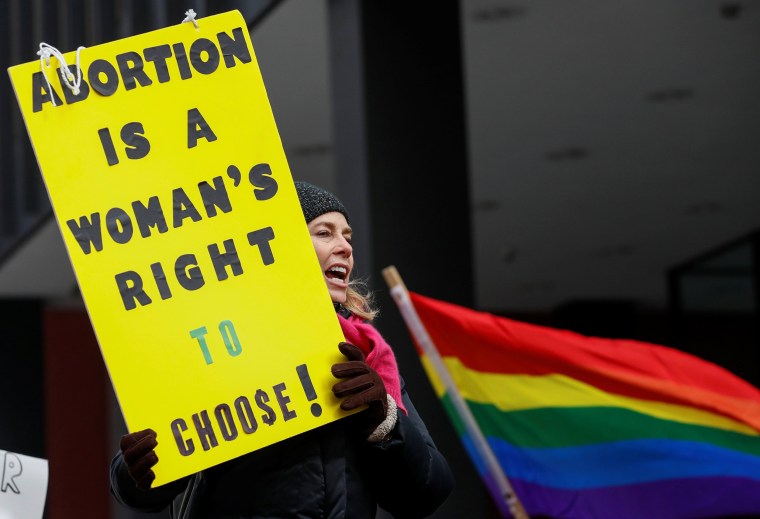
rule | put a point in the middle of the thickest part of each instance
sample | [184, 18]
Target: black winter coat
[328, 472]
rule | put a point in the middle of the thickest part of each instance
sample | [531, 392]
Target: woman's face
[331, 236]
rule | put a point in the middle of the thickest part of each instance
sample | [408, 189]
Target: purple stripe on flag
[695, 498]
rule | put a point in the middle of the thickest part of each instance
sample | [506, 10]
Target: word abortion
[132, 68]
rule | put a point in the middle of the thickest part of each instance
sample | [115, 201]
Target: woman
[382, 456]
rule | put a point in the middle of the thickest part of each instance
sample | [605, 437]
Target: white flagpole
[403, 301]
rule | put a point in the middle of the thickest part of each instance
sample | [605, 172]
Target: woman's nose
[344, 246]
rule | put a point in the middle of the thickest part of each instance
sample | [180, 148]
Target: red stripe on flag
[488, 343]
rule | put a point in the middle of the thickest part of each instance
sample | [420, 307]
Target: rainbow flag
[586, 427]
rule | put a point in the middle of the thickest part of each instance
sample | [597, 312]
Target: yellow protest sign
[173, 194]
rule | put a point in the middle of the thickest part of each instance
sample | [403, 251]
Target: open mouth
[337, 273]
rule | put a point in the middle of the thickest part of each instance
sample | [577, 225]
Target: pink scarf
[378, 353]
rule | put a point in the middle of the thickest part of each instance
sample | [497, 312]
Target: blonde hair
[360, 301]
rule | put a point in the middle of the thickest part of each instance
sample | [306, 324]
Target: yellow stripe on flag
[523, 392]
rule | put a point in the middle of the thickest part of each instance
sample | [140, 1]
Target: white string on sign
[67, 78]
[190, 17]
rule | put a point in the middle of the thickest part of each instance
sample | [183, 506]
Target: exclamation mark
[308, 388]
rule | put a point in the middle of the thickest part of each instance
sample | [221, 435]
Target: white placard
[23, 486]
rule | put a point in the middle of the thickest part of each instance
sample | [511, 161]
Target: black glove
[361, 385]
[138, 452]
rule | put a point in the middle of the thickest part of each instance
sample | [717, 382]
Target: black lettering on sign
[130, 287]
[87, 232]
[261, 238]
[187, 269]
[185, 447]
[264, 185]
[149, 216]
[103, 77]
[42, 93]
[158, 56]
[137, 145]
[222, 260]
[283, 400]
[197, 127]
[132, 134]
[119, 225]
[163, 285]
[107, 142]
[157, 64]
[131, 70]
[204, 56]
[190, 278]
[233, 47]
[227, 426]
[228, 420]
[205, 430]
[215, 197]
[308, 388]
[245, 415]
[183, 208]
[261, 398]
[182, 64]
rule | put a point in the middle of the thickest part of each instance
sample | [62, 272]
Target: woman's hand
[138, 451]
[361, 385]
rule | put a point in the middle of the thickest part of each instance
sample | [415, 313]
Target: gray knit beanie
[316, 201]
